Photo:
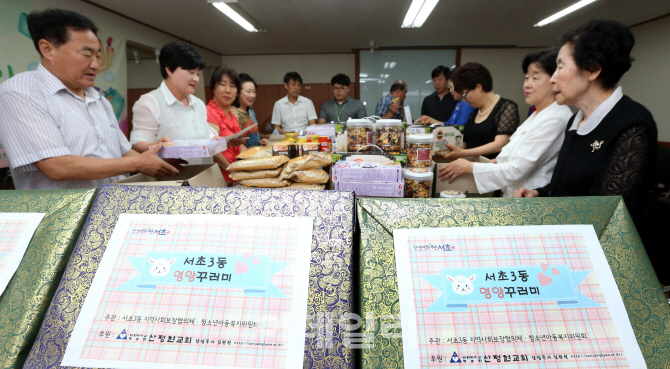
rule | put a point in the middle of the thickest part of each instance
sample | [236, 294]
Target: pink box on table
[192, 148]
[366, 171]
[372, 189]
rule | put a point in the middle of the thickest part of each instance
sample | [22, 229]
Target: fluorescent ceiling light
[392, 65]
[225, 9]
[386, 65]
[564, 12]
[363, 75]
[418, 12]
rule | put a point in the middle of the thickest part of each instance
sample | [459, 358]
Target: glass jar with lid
[359, 134]
[419, 147]
[418, 183]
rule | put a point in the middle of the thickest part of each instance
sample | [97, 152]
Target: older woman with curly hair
[610, 143]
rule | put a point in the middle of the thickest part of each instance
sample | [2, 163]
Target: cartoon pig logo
[462, 285]
[160, 267]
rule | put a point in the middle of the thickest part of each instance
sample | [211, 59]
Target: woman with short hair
[528, 160]
[610, 143]
[489, 127]
[172, 111]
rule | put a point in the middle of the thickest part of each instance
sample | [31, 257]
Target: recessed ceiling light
[418, 12]
[232, 14]
[564, 12]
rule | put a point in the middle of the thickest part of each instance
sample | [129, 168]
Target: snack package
[308, 176]
[255, 153]
[254, 174]
[306, 186]
[314, 160]
[265, 182]
[258, 164]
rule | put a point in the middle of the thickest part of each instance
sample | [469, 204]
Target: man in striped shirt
[58, 131]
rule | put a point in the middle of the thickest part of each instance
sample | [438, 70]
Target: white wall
[144, 75]
[505, 68]
[648, 79]
[313, 68]
[133, 32]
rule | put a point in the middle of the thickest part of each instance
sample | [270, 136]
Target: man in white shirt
[293, 113]
[58, 131]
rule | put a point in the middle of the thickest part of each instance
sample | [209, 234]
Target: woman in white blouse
[172, 112]
[528, 160]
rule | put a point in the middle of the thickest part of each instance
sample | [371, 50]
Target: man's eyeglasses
[342, 88]
[465, 94]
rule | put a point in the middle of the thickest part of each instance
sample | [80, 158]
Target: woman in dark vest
[610, 143]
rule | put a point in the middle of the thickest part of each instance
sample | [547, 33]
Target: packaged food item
[317, 176]
[418, 129]
[312, 138]
[366, 171]
[443, 136]
[289, 149]
[451, 194]
[371, 189]
[315, 160]
[389, 134]
[419, 147]
[325, 144]
[255, 153]
[292, 135]
[359, 134]
[254, 174]
[192, 148]
[306, 186]
[258, 164]
[309, 148]
[418, 183]
[265, 182]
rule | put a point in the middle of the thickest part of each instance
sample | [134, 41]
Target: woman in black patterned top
[495, 119]
[610, 143]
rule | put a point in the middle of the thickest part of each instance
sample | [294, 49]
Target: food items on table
[258, 164]
[292, 136]
[419, 148]
[265, 182]
[314, 160]
[418, 183]
[317, 176]
[254, 174]
[255, 153]
[325, 144]
[359, 134]
[389, 134]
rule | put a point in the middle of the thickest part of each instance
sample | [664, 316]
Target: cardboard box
[192, 148]
[443, 136]
[365, 171]
[464, 183]
[368, 189]
[206, 175]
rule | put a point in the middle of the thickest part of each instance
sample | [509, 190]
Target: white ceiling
[322, 26]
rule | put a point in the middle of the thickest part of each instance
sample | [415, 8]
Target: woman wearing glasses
[489, 127]
[245, 113]
[530, 157]
[610, 143]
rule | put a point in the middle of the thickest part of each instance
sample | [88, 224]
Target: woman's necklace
[489, 109]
